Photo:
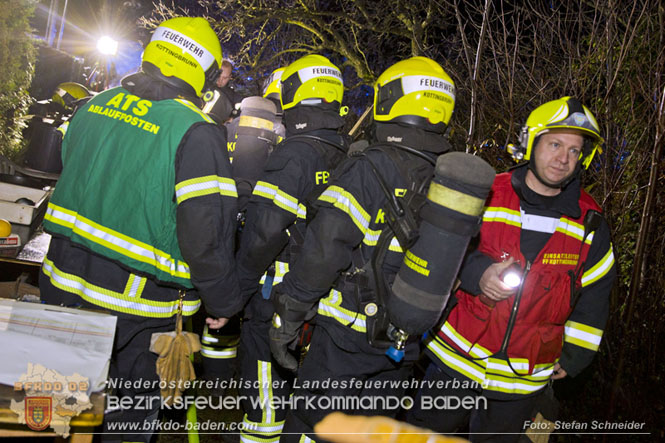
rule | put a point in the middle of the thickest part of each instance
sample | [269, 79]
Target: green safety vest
[116, 194]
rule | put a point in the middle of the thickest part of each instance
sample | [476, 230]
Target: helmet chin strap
[561, 184]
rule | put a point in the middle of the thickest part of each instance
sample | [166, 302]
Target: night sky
[87, 20]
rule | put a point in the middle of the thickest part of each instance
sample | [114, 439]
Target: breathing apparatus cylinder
[450, 217]
[255, 136]
[252, 137]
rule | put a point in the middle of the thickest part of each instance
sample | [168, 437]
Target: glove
[290, 315]
[174, 365]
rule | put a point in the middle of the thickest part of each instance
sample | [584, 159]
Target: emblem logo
[38, 412]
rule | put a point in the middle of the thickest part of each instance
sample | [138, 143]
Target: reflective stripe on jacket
[128, 214]
[476, 330]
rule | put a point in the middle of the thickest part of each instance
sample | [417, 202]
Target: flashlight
[512, 276]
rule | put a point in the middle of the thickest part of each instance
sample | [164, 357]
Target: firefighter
[144, 215]
[220, 100]
[506, 343]
[271, 91]
[254, 135]
[272, 87]
[68, 95]
[295, 174]
[47, 128]
[251, 137]
[332, 276]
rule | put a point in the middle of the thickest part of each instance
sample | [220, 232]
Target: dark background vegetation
[506, 58]
[17, 55]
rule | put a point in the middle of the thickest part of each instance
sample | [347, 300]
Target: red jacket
[477, 330]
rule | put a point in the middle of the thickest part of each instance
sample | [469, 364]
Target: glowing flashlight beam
[107, 46]
[512, 279]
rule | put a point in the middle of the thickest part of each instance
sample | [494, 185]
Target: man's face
[556, 155]
[224, 77]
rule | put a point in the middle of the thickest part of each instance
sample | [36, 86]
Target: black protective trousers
[335, 379]
[486, 419]
[219, 349]
[131, 361]
[265, 386]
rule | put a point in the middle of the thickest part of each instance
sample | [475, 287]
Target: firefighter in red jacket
[506, 343]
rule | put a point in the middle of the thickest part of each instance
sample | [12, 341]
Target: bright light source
[512, 279]
[106, 45]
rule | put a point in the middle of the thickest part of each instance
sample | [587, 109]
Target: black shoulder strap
[401, 214]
